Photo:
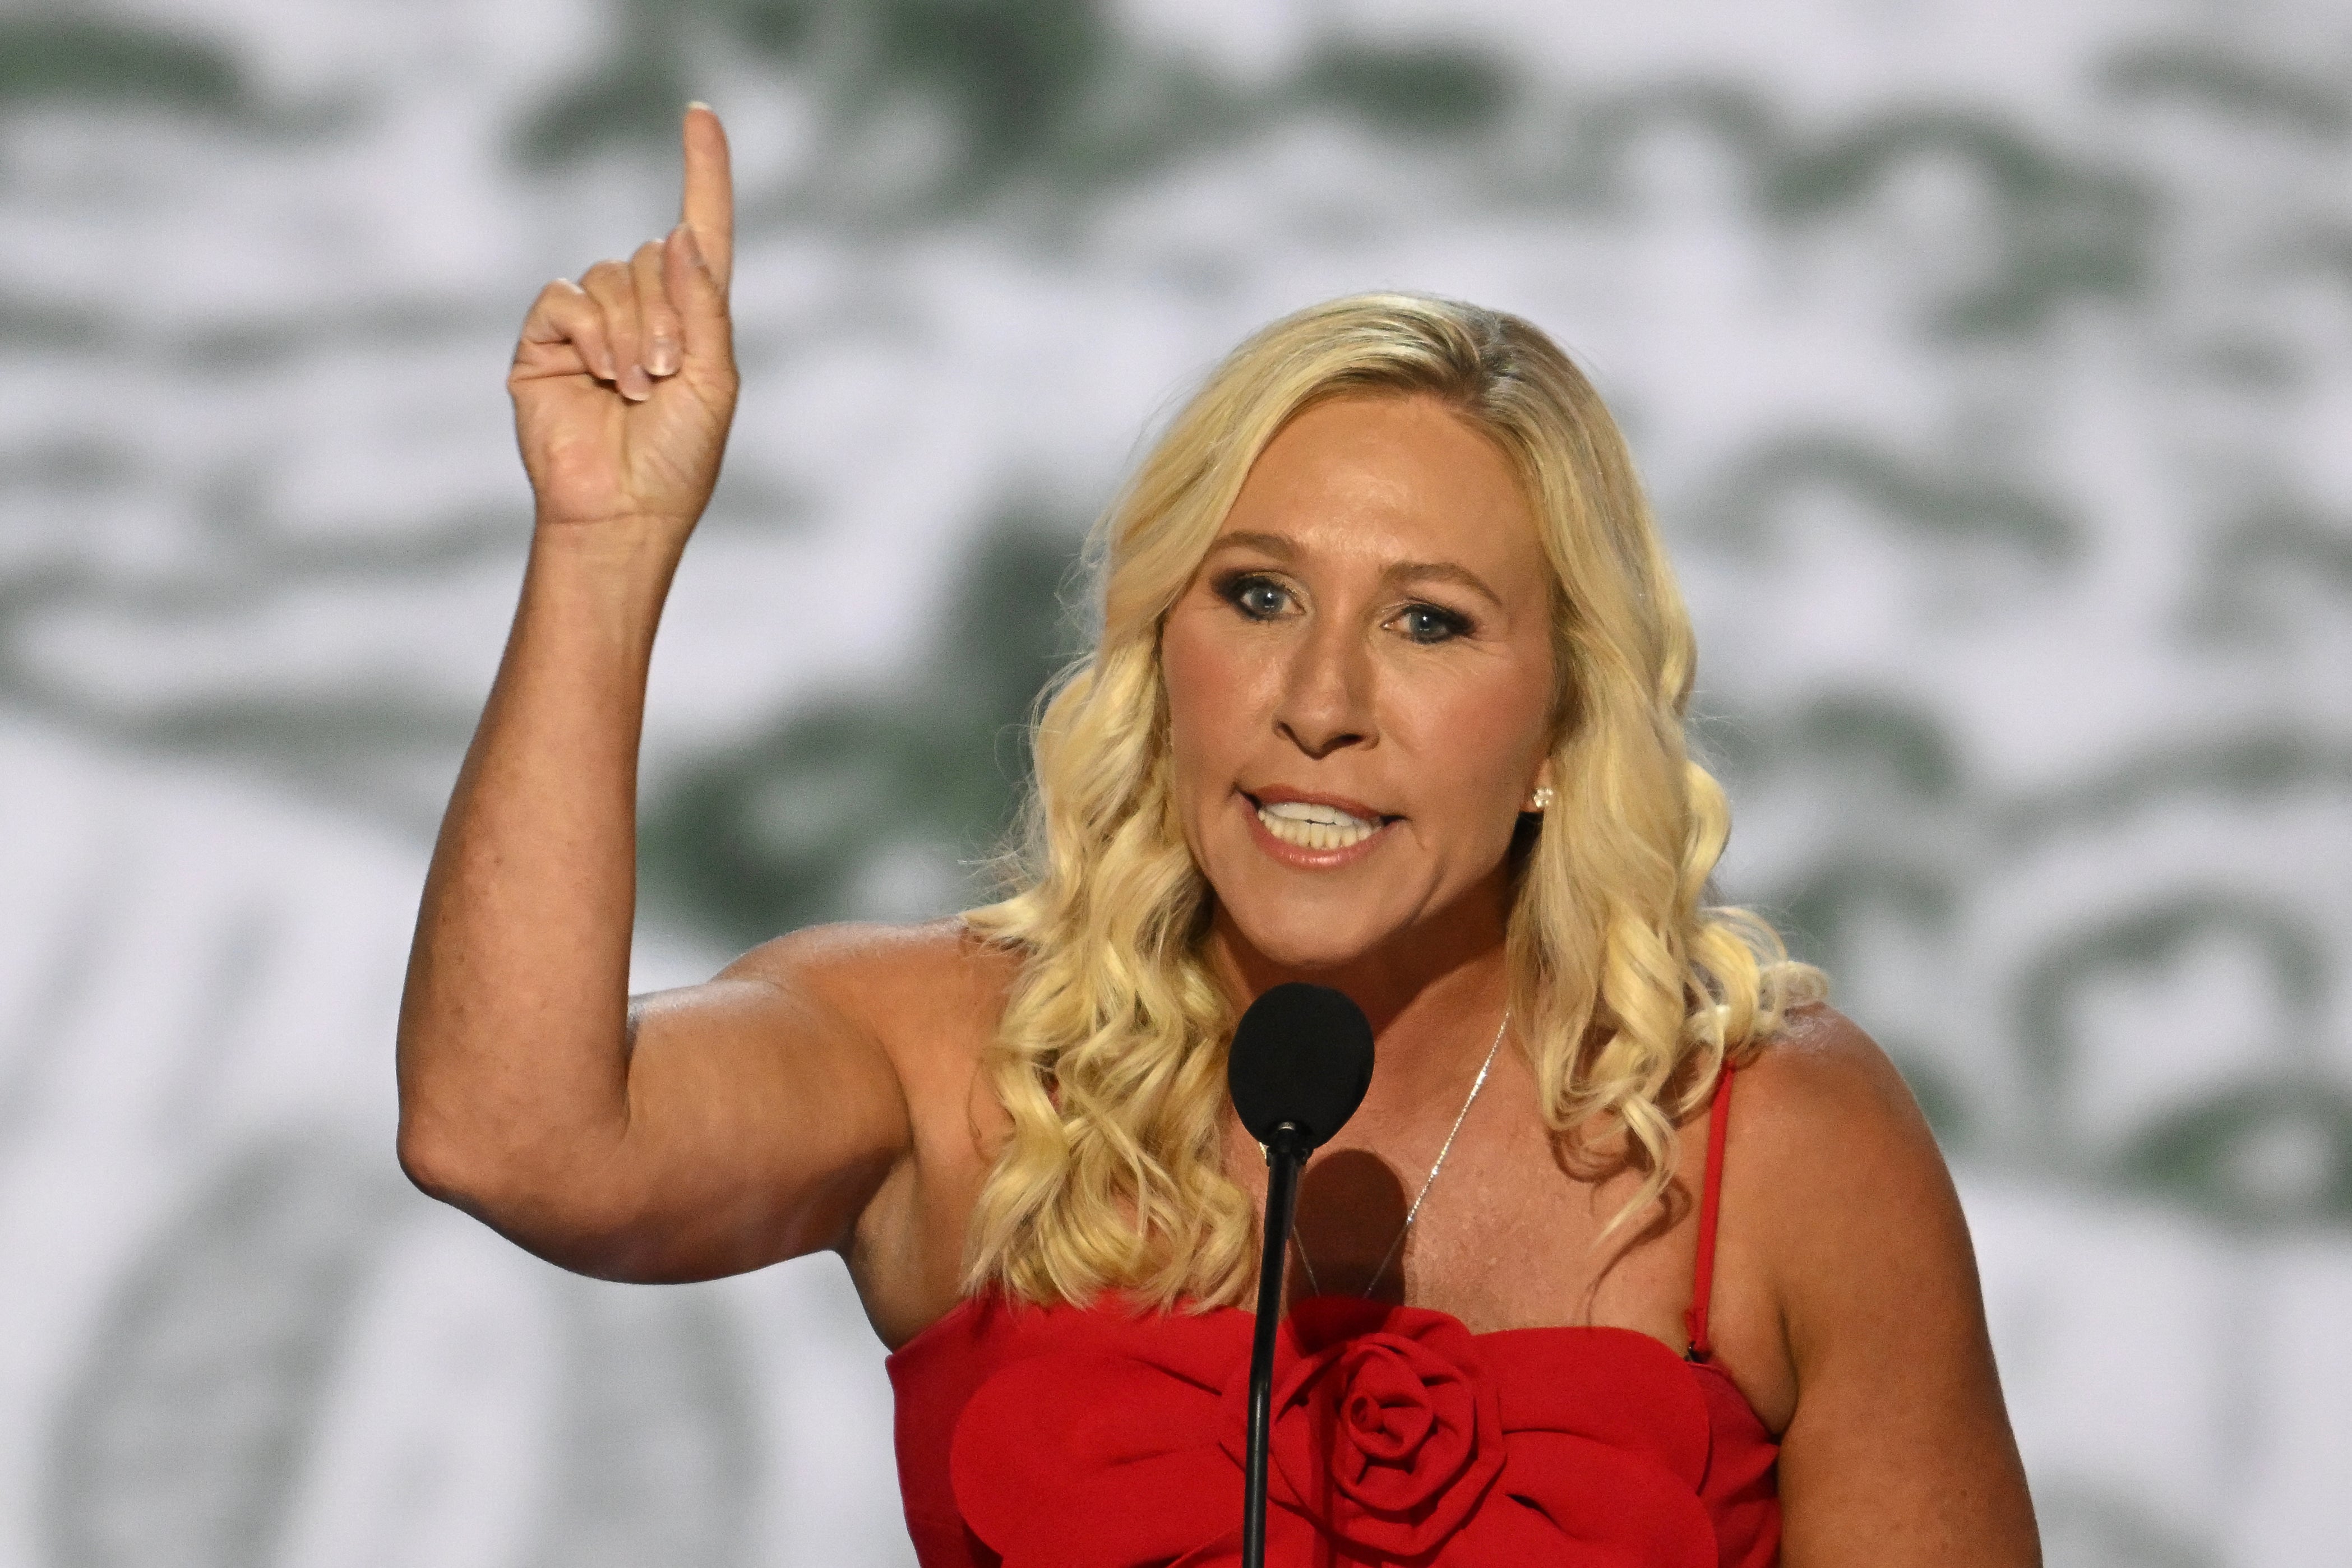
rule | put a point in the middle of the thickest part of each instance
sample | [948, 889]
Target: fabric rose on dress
[1384, 1427]
[1398, 1437]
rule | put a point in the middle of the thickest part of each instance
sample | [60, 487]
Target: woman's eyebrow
[1406, 571]
[1275, 545]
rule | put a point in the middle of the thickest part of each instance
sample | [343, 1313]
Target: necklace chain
[1429, 1181]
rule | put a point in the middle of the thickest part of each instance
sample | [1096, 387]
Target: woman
[1388, 696]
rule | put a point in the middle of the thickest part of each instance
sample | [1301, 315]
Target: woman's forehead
[1390, 478]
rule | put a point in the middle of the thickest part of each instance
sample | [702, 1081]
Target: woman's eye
[1429, 624]
[1259, 598]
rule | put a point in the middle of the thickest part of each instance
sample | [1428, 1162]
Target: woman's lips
[1283, 795]
[1302, 856]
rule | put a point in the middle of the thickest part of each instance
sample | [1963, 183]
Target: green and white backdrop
[1991, 364]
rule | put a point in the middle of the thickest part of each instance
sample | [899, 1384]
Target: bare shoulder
[928, 1000]
[1844, 1177]
[1897, 1449]
[942, 958]
[1822, 1096]
[1817, 1051]
[928, 995]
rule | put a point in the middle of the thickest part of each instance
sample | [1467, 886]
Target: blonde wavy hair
[1629, 993]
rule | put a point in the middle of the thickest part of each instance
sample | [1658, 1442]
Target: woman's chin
[1303, 941]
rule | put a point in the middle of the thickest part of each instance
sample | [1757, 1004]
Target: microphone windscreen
[1301, 1055]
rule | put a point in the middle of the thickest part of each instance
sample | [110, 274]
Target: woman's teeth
[1314, 827]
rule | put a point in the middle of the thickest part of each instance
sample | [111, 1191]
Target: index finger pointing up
[709, 205]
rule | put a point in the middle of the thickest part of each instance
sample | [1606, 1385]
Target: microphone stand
[1286, 1157]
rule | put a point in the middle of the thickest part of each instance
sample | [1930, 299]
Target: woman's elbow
[439, 1165]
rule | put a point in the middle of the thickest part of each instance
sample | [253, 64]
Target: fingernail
[663, 359]
[693, 248]
[607, 367]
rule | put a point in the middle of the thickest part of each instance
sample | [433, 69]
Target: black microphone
[1301, 1060]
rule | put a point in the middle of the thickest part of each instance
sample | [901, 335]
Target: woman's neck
[1433, 994]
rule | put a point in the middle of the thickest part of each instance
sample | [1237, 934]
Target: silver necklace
[1429, 1181]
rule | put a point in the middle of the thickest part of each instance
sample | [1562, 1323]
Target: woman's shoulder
[1819, 1070]
[947, 951]
[1827, 1129]
[935, 980]
[1854, 1234]
[1847, 1197]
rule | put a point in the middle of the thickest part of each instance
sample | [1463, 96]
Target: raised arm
[712, 1131]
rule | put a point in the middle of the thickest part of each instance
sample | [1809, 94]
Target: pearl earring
[1541, 800]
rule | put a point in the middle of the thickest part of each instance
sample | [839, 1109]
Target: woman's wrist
[616, 571]
[624, 541]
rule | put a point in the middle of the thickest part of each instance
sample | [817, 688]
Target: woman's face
[1360, 685]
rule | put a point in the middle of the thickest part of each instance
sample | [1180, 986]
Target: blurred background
[1990, 361]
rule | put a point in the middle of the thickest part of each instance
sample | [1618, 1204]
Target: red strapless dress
[1105, 1437]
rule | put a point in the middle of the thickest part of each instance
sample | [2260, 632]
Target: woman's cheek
[1475, 747]
[1204, 703]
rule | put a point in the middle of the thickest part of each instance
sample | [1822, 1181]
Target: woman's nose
[1326, 690]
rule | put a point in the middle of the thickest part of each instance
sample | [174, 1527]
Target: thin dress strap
[1702, 1274]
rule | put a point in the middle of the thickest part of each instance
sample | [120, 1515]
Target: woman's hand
[624, 384]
